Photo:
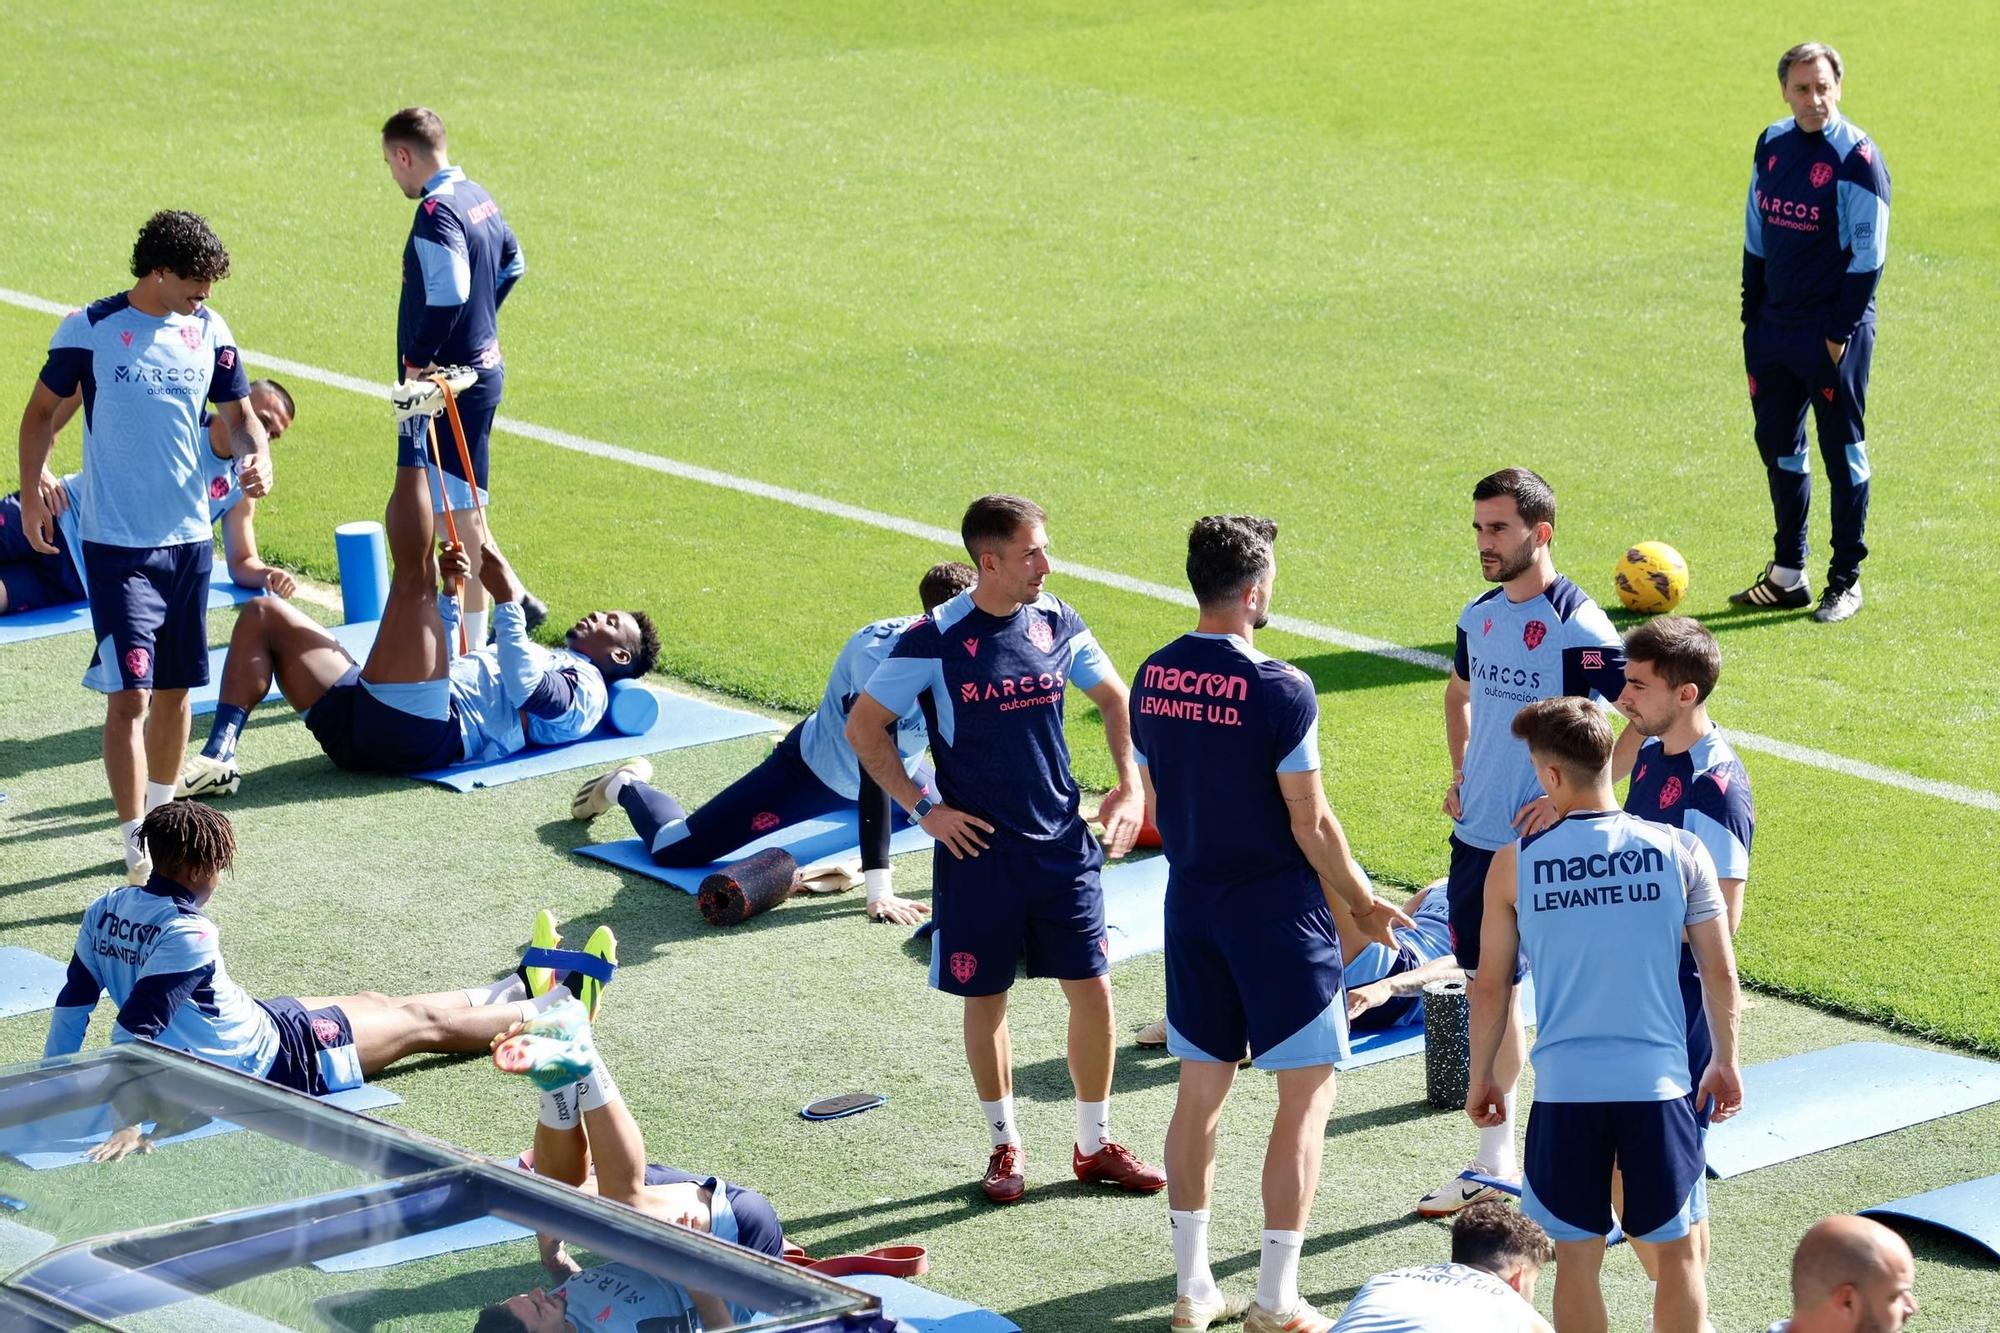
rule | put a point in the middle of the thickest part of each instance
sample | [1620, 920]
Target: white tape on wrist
[879, 885]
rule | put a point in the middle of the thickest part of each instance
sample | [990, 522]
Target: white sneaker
[1457, 1194]
[1301, 1318]
[1193, 1316]
[1151, 1035]
[206, 776]
[592, 799]
[423, 398]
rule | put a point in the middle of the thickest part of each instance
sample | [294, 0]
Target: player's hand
[1486, 1103]
[1378, 924]
[1452, 805]
[1122, 814]
[54, 494]
[38, 517]
[1363, 998]
[957, 831]
[898, 911]
[496, 575]
[122, 1144]
[555, 1258]
[254, 474]
[453, 562]
[279, 582]
[1837, 352]
[1535, 816]
[1724, 1085]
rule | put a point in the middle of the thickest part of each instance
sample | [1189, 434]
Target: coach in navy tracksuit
[1816, 233]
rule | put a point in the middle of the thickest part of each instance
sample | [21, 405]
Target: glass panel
[304, 1217]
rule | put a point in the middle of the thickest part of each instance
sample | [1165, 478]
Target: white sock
[475, 629]
[1000, 1120]
[1093, 1126]
[1190, 1236]
[158, 794]
[129, 830]
[555, 995]
[504, 991]
[877, 883]
[1278, 1271]
[620, 779]
[598, 1090]
[1787, 578]
[1496, 1145]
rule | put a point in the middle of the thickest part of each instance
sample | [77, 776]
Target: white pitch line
[819, 504]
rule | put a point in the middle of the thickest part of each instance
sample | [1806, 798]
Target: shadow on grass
[82, 745]
[97, 878]
[1350, 669]
[869, 1225]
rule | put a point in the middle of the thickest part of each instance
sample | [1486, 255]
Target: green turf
[1141, 261]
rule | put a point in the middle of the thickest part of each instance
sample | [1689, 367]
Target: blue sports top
[1704, 790]
[1512, 653]
[1816, 227]
[991, 689]
[518, 693]
[1602, 900]
[459, 264]
[161, 960]
[1215, 721]
[823, 737]
[144, 381]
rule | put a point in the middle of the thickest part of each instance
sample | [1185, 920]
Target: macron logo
[126, 337]
[972, 647]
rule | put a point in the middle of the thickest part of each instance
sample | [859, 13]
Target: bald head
[1852, 1275]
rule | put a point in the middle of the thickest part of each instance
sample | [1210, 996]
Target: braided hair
[188, 838]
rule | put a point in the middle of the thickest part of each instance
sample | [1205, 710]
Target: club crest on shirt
[963, 965]
[191, 336]
[1820, 174]
[1041, 635]
[1533, 633]
[217, 488]
[1670, 793]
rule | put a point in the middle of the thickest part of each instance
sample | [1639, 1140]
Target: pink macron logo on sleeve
[430, 206]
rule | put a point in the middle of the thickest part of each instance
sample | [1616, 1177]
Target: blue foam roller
[634, 708]
[363, 553]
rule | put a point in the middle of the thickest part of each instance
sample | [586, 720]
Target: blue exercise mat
[928, 1311]
[1371, 1048]
[29, 981]
[471, 1235]
[683, 721]
[357, 639]
[1823, 1099]
[830, 837]
[66, 1140]
[1135, 907]
[1970, 1209]
[71, 617]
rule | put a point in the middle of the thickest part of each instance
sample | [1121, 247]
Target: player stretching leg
[1599, 902]
[147, 359]
[152, 948]
[1227, 742]
[811, 772]
[1535, 636]
[1684, 774]
[1016, 872]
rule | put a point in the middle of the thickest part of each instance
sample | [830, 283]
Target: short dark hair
[498, 1319]
[183, 244]
[646, 656]
[1494, 1237]
[284, 395]
[1805, 52]
[1226, 554]
[187, 837]
[992, 519]
[1681, 649]
[1569, 729]
[415, 125]
[1535, 498]
[944, 581]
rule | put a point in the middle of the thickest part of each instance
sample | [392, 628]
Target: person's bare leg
[989, 1047]
[1579, 1300]
[125, 751]
[1204, 1087]
[167, 723]
[1093, 1040]
[1292, 1157]
[386, 1033]
[562, 1154]
[274, 640]
[472, 531]
[1680, 1300]
[411, 644]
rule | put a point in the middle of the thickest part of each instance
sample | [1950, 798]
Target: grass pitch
[1141, 262]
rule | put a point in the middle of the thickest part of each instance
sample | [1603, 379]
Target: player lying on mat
[585, 1136]
[31, 579]
[810, 773]
[160, 958]
[412, 706]
[1384, 989]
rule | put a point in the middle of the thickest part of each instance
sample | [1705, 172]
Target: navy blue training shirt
[459, 264]
[1816, 227]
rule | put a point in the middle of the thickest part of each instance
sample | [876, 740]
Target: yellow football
[1651, 578]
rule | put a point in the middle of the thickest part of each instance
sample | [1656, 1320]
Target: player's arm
[42, 496]
[66, 411]
[447, 273]
[1753, 245]
[147, 1011]
[1707, 926]
[74, 1004]
[248, 445]
[1378, 993]
[874, 744]
[1124, 805]
[1457, 727]
[1320, 836]
[1492, 989]
[239, 551]
[1861, 204]
[1625, 752]
[512, 265]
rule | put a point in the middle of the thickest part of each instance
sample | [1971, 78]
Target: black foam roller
[1447, 1045]
[757, 883]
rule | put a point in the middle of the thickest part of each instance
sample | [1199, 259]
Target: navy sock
[651, 810]
[228, 724]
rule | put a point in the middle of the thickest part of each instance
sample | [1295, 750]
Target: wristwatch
[922, 808]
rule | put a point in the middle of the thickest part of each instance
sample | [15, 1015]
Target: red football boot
[1114, 1164]
[1004, 1182]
